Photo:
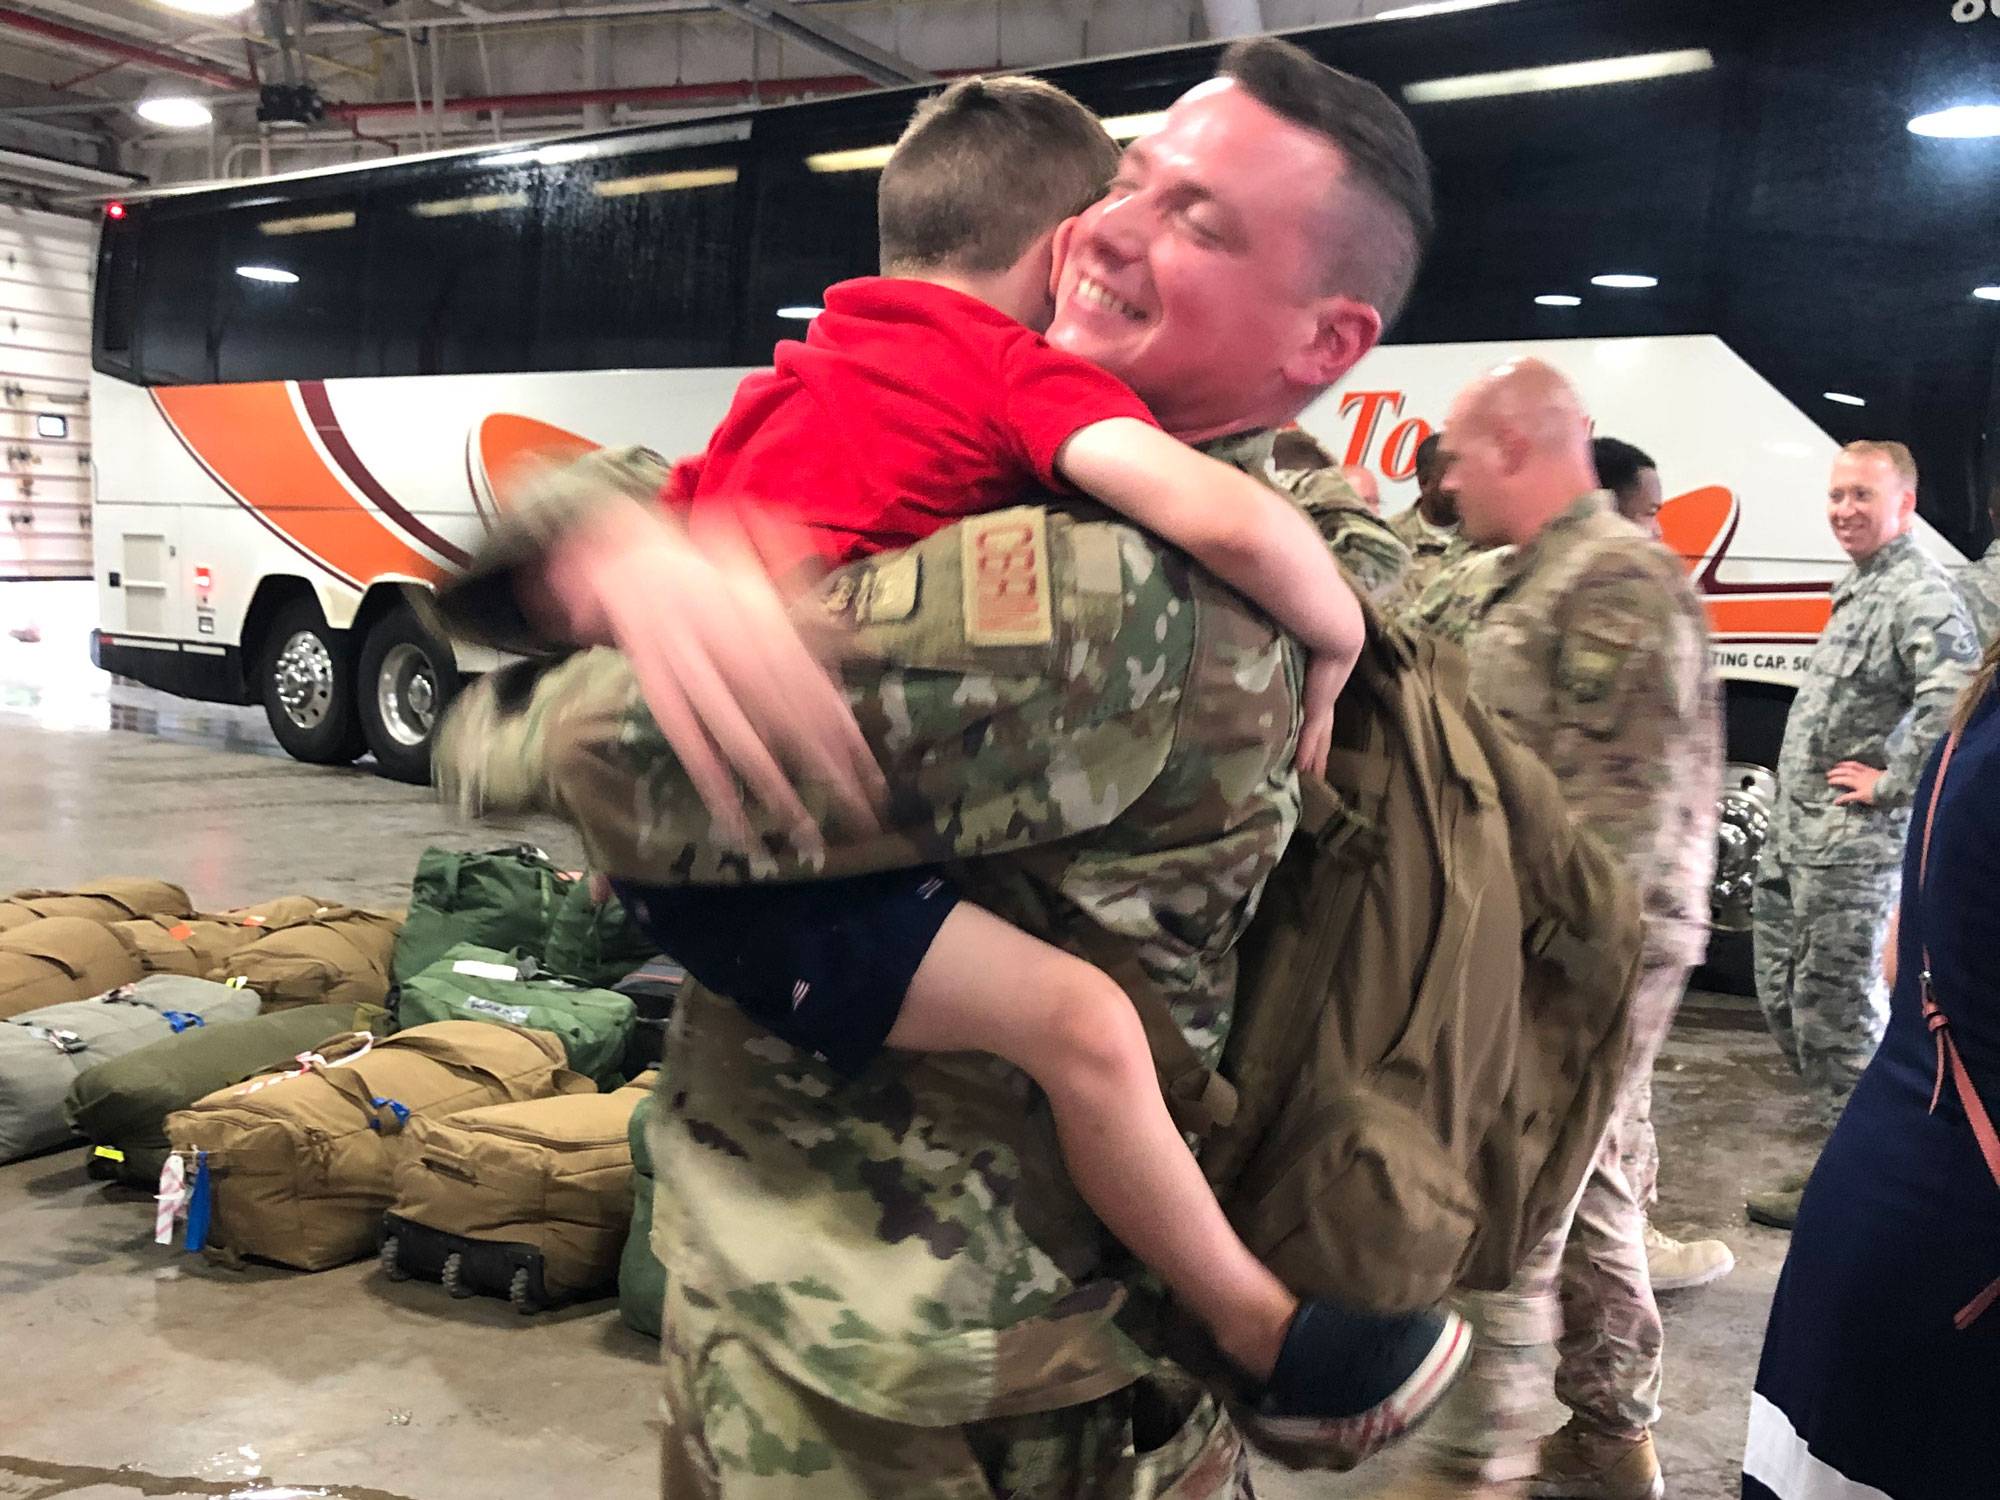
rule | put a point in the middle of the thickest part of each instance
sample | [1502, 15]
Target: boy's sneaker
[1348, 1384]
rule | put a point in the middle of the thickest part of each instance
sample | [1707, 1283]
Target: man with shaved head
[1594, 650]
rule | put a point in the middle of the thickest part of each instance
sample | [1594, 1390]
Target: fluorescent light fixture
[174, 112]
[50, 424]
[308, 223]
[1844, 399]
[1637, 68]
[800, 313]
[275, 275]
[665, 182]
[211, 7]
[478, 203]
[547, 156]
[1987, 293]
[1962, 122]
[1621, 281]
[1131, 127]
[857, 159]
[1558, 299]
[508, 159]
[1430, 8]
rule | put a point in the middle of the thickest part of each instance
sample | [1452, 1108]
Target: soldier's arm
[1362, 542]
[1626, 683]
[1936, 645]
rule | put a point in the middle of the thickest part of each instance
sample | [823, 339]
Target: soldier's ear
[1337, 331]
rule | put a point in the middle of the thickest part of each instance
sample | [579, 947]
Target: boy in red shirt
[918, 398]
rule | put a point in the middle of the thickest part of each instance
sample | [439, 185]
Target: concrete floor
[131, 1370]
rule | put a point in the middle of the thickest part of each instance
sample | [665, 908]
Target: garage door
[45, 271]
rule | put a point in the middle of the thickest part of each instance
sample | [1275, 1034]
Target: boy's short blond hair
[986, 168]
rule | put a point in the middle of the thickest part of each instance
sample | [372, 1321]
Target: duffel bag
[199, 945]
[591, 941]
[339, 956]
[43, 1052]
[496, 898]
[642, 1280]
[295, 1167]
[478, 984]
[52, 960]
[527, 1201]
[117, 899]
[121, 1106]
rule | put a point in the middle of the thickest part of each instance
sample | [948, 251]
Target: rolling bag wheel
[521, 1296]
[454, 1276]
[391, 1268]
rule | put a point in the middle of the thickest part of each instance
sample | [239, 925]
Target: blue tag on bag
[200, 1203]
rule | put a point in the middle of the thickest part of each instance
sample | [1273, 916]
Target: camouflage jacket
[1457, 596]
[1878, 689]
[906, 1243]
[1433, 549]
[1594, 651]
[1366, 545]
[1979, 583]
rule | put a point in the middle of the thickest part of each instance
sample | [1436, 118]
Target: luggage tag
[172, 1199]
[182, 1020]
[201, 1202]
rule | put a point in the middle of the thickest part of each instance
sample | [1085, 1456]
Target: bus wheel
[407, 679]
[305, 675]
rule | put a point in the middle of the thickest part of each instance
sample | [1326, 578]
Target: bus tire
[305, 680]
[407, 679]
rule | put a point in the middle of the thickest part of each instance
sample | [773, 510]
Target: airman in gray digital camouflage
[1592, 647]
[1979, 581]
[1877, 695]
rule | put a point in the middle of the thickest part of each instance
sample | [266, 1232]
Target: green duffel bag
[479, 984]
[504, 899]
[642, 1280]
[121, 1107]
[593, 942]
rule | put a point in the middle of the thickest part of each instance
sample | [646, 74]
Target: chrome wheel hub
[406, 694]
[1749, 797]
[304, 673]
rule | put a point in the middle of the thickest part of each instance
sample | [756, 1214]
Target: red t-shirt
[907, 407]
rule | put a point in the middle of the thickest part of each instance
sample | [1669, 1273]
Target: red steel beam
[124, 51]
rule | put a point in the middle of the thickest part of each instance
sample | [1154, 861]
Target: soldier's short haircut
[1618, 463]
[1900, 458]
[986, 168]
[1427, 455]
[1387, 221]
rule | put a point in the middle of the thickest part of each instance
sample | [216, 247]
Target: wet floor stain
[34, 1479]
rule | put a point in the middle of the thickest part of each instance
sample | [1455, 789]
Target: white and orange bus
[305, 385]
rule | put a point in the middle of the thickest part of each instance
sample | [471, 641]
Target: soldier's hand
[1856, 782]
[1325, 677]
[734, 688]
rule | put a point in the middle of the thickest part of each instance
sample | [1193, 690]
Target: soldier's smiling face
[1867, 504]
[1200, 279]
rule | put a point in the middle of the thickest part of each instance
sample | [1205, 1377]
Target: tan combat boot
[1580, 1463]
[1680, 1265]
[1777, 1207]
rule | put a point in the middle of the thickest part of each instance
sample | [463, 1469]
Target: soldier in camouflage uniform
[1877, 695]
[885, 1286]
[1458, 594]
[1979, 582]
[1594, 650]
[1430, 528]
[1367, 546]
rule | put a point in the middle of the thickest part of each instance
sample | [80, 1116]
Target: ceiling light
[800, 313]
[1962, 122]
[1430, 8]
[211, 7]
[1622, 282]
[858, 159]
[478, 203]
[1558, 299]
[1131, 127]
[174, 112]
[665, 182]
[1987, 293]
[308, 223]
[1553, 76]
[1844, 399]
[275, 275]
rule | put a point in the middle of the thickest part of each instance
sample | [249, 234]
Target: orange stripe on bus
[1769, 617]
[251, 439]
[511, 446]
[1693, 523]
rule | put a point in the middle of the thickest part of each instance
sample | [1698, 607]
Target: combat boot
[1580, 1463]
[1777, 1207]
[1679, 1265]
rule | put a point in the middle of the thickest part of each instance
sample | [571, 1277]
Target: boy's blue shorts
[824, 964]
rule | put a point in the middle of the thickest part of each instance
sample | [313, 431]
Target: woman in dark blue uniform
[1881, 1371]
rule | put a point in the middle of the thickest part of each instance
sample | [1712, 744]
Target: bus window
[639, 260]
[118, 284]
[287, 282]
[177, 284]
[451, 267]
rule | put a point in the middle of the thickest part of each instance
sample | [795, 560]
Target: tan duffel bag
[117, 899]
[199, 945]
[527, 1201]
[339, 956]
[299, 1164]
[53, 960]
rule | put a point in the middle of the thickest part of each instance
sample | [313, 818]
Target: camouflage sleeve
[1935, 643]
[1627, 684]
[1374, 556]
[1452, 604]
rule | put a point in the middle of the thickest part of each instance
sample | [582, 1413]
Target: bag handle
[1948, 1058]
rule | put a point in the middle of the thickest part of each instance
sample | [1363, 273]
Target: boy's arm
[1244, 532]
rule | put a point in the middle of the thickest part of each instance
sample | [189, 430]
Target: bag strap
[1200, 1099]
[1948, 1058]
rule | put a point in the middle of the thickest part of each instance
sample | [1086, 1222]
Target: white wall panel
[45, 267]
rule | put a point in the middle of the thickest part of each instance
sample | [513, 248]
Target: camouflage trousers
[739, 1429]
[1818, 933]
[1585, 1288]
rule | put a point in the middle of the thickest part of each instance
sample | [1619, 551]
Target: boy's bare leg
[987, 986]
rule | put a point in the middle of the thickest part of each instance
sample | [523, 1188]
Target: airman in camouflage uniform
[1593, 649]
[1979, 583]
[1367, 546]
[1877, 695]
